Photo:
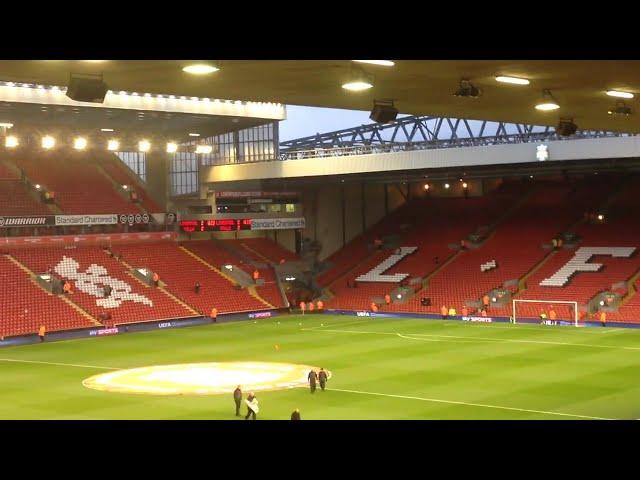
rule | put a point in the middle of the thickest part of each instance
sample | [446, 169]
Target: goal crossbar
[551, 302]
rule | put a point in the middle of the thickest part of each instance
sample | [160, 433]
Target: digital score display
[224, 225]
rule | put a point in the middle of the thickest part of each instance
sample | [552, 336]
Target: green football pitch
[381, 369]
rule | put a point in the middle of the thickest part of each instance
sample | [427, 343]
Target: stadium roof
[419, 87]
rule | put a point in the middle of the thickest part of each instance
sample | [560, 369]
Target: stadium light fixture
[204, 149]
[113, 145]
[600, 217]
[512, 80]
[357, 86]
[619, 94]
[106, 129]
[194, 134]
[172, 147]
[426, 186]
[446, 185]
[382, 63]
[11, 141]
[358, 81]
[200, 69]
[37, 185]
[547, 102]
[48, 142]
[125, 187]
[144, 146]
[464, 185]
[6, 125]
[80, 143]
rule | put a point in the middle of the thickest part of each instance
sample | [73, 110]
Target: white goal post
[550, 302]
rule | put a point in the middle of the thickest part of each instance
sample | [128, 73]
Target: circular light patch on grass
[202, 378]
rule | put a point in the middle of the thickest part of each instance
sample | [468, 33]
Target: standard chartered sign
[86, 219]
[277, 223]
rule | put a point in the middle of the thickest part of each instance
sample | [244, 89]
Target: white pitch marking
[359, 322]
[484, 405]
[498, 340]
[519, 326]
[56, 363]
[409, 337]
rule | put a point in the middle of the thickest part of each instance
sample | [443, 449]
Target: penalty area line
[470, 339]
[470, 404]
[56, 364]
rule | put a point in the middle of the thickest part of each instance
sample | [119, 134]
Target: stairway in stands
[621, 229]
[89, 192]
[438, 225]
[26, 306]
[180, 271]
[209, 254]
[517, 245]
[95, 262]
[113, 169]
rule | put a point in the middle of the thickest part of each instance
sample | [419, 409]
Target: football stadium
[470, 253]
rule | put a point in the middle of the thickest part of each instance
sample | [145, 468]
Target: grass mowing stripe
[482, 339]
[56, 363]
[483, 405]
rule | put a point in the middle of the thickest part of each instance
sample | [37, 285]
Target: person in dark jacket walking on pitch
[312, 377]
[237, 397]
[322, 377]
[296, 414]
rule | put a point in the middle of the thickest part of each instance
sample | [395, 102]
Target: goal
[532, 308]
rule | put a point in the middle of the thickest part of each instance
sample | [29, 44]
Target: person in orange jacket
[311, 306]
[41, 332]
[444, 311]
[485, 302]
[603, 319]
[387, 299]
[465, 311]
[320, 305]
[374, 307]
[214, 314]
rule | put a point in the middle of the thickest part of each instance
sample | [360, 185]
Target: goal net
[542, 311]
